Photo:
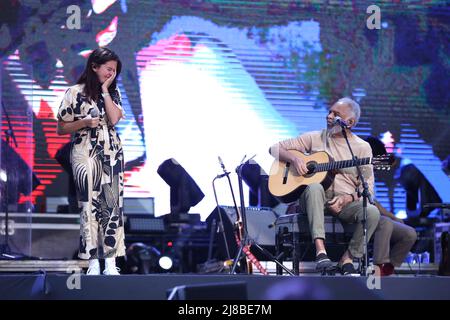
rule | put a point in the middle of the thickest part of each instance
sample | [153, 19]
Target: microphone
[221, 162]
[94, 114]
[342, 123]
[225, 173]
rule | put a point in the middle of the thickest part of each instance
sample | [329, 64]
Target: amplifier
[260, 222]
[259, 225]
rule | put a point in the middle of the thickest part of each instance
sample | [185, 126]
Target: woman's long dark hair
[89, 78]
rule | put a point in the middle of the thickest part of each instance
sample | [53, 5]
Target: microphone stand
[5, 251]
[247, 241]
[220, 227]
[227, 174]
[366, 197]
[244, 239]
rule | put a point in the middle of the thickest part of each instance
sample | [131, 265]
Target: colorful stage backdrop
[212, 78]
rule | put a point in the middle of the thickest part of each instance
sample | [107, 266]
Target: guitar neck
[341, 164]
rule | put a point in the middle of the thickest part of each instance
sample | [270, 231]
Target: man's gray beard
[333, 130]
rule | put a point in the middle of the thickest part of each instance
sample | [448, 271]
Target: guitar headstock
[383, 162]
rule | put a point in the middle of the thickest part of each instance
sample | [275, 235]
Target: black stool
[292, 230]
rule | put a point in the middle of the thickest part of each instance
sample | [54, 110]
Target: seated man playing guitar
[340, 196]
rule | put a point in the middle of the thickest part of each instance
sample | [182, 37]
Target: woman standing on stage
[90, 109]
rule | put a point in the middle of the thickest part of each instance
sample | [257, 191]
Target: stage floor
[60, 286]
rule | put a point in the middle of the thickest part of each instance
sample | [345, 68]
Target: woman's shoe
[111, 271]
[93, 270]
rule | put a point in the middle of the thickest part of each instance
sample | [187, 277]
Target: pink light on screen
[54, 141]
[104, 37]
[388, 141]
[176, 48]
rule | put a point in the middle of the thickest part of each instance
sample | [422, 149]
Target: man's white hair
[356, 109]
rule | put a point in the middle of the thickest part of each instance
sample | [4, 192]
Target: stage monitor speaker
[209, 291]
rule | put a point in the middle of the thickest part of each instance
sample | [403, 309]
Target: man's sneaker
[323, 262]
[347, 269]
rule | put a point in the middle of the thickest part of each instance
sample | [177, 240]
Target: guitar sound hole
[311, 166]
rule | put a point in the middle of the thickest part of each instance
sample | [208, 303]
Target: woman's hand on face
[108, 81]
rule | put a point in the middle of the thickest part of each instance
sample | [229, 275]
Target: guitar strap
[251, 257]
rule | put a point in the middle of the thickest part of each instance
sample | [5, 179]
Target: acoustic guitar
[287, 185]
